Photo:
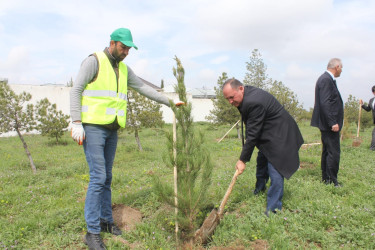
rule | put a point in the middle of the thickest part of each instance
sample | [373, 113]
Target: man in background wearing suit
[328, 116]
[371, 106]
[271, 129]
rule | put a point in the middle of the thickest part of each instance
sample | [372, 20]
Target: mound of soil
[125, 217]
[356, 142]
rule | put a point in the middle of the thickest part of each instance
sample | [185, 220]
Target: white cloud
[297, 72]
[219, 60]
[296, 39]
[206, 75]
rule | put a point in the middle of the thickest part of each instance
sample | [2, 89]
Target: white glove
[178, 103]
[77, 132]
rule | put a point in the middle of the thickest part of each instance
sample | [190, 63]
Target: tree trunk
[27, 151]
[137, 139]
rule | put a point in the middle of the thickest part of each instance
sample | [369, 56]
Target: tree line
[256, 75]
[17, 114]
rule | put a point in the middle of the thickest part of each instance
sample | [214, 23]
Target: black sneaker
[110, 228]
[94, 241]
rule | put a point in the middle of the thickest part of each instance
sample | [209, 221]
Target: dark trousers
[372, 147]
[261, 172]
[330, 156]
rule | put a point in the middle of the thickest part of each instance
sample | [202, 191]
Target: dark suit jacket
[271, 129]
[369, 107]
[328, 107]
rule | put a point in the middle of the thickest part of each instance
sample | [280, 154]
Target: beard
[118, 57]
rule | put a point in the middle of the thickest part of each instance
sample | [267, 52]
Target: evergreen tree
[257, 77]
[70, 83]
[193, 163]
[14, 117]
[162, 84]
[288, 99]
[351, 109]
[142, 113]
[223, 112]
[256, 71]
[51, 122]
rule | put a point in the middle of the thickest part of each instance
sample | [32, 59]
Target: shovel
[357, 141]
[210, 223]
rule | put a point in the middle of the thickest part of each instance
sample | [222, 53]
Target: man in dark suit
[328, 116]
[271, 129]
[369, 107]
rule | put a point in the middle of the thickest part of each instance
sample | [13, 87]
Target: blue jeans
[100, 148]
[276, 190]
[372, 147]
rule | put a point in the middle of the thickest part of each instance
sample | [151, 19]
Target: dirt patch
[356, 142]
[192, 246]
[229, 248]
[237, 245]
[306, 165]
[126, 217]
[259, 244]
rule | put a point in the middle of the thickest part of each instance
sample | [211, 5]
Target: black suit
[368, 108]
[271, 129]
[328, 111]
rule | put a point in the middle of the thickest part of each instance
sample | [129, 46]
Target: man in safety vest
[98, 102]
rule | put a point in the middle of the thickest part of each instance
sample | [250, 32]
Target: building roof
[151, 85]
[203, 93]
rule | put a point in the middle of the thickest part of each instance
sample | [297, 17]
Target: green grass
[45, 211]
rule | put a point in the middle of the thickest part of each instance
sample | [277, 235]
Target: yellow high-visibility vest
[103, 99]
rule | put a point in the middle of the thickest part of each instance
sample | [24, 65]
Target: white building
[60, 95]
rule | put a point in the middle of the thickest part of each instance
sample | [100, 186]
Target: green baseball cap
[123, 35]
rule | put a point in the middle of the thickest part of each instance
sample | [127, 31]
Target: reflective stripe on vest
[102, 99]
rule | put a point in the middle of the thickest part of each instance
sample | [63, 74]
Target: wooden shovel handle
[226, 196]
[359, 119]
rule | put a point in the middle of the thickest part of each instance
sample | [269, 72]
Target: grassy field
[45, 211]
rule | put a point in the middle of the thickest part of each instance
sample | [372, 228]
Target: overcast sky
[46, 41]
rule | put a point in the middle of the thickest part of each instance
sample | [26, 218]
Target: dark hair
[234, 83]
[373, 89]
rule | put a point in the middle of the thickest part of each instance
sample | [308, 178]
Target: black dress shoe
[110, 228]
[94, 241]
[338, 184]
